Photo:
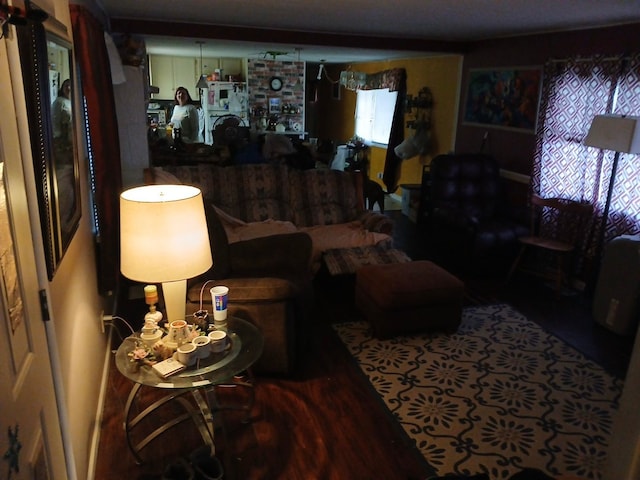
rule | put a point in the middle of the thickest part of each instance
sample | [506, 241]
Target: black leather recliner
[472, 226]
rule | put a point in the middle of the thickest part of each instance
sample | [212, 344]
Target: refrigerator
[224, 98]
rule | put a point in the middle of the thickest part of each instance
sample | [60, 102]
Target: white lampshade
[614, 132]
[164, 239]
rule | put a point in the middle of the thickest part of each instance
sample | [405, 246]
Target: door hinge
[44, 306]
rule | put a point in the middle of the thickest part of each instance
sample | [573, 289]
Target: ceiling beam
[262, 35]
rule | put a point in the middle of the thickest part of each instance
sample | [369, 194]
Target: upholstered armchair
[472, 225]
[270, 285]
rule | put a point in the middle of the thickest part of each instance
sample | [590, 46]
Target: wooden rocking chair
[564, 225]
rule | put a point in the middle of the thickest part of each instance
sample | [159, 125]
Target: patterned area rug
[498, 396]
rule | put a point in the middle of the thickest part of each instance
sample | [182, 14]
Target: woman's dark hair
[175, 95]
[61, 89]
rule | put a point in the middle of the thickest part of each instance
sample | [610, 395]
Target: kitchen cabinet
[231, 66]
[169, 72]
[228, 66]
[161, 76]
[185, 74]
[209, 65]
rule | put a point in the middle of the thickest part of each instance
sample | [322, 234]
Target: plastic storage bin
[616, 299]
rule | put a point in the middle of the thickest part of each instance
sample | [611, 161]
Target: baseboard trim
[97, 426]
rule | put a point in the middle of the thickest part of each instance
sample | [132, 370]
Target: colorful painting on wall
[503, 98]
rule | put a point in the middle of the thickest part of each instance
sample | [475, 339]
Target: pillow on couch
[238, 230]
[228, 220]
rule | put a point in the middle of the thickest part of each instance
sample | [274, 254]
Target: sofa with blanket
[269, 225]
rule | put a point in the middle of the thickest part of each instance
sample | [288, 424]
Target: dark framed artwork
[503, 98]
[47, 66]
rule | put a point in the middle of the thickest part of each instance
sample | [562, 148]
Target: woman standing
[61, 114]
[185, 116]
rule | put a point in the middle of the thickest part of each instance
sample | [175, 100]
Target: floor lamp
[621, 134]
[164, 239]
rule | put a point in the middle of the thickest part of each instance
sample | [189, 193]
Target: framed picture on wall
[274, 105]
[503, 97]
[53, 143]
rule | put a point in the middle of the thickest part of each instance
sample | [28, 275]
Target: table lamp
[621, 134]
[164, 239]
[151, 298]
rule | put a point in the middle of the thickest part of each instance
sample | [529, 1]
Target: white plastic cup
[186, 354]
[218, 340]
[219, 296]
[203, 346]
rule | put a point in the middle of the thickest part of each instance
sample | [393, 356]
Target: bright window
[575, 91]
[374, 114]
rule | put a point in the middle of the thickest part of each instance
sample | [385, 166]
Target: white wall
[75, 307]
[74, 302]
[132, 126]
[623, 460]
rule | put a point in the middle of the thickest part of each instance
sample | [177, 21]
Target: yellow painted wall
[441, 74]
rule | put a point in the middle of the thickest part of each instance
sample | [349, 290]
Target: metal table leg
[245, 381]
[201, 416]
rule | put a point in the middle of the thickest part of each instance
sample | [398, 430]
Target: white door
[30, 437]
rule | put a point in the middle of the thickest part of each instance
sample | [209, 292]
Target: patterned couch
[259, 200]
[269, 227]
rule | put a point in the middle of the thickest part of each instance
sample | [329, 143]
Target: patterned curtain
[574, 91]
[395, 80]
[625, 203]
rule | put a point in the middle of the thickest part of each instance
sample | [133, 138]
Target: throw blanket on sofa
[324, 237]
[341, 236]
[238, 230]
[260, 200]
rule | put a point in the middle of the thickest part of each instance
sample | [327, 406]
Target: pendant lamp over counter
[298, 86]
[202, 81]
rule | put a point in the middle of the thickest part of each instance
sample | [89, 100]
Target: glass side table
[245, 347]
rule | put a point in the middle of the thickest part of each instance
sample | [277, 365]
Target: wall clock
[275, 83]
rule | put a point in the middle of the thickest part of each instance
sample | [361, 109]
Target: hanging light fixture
[349, 79]
[202, 81]
[352, 80]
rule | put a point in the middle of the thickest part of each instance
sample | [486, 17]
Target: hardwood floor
[325, 421]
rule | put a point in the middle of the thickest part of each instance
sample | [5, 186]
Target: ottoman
[408, 297]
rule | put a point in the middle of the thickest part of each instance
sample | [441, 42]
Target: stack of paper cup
[219, 296]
